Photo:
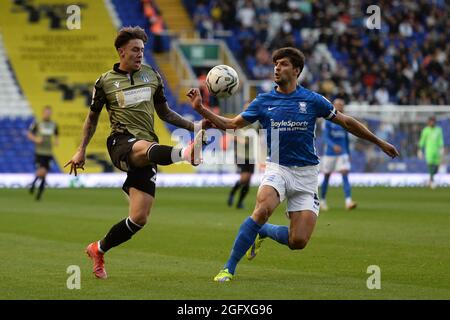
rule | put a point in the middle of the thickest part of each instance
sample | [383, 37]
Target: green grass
[405, 231]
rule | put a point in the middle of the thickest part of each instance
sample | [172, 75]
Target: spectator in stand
[263, 69]
[156, 24]
[409, 54]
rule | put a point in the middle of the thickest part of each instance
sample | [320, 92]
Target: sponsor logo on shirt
[129, 97]
[289, 125]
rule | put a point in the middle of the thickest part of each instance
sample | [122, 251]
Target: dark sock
[433, 170]
[237, 185]
[119, 233]
[235, 188]
[163, 155]
[41, 189]
[33, 184]
[244, 191]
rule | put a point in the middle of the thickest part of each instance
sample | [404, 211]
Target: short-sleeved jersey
[432, 140]
[130, 99]
[334, 134]
[292, 117]
[45, 130]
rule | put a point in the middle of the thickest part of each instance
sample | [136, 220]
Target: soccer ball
[222, 81]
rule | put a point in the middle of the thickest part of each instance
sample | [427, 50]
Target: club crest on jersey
[145, 78]
[117, 84]
[302, 107]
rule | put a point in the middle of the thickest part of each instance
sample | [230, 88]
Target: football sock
[235, 188]
[237, 185]
[119, 233]
[163, 155]
[278, 233]
[33, 184]
[244, 192]
[41, 189]
[433, 171]
[347, 187]
[244, 239]
[324, 188]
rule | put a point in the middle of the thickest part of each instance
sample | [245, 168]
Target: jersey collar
[284, 94]
[118, 70]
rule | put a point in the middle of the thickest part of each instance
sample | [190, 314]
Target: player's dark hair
[295, 56]
[129, 33]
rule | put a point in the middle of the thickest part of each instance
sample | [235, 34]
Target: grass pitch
[404, 231]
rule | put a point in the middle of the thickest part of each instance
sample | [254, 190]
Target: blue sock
[347, 187]
[244, 240]
[324, 188]
[278, 233]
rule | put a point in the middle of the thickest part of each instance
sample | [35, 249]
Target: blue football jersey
[334, 134]
[290, 123]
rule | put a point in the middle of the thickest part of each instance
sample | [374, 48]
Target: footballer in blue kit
[336, 158]
[293, 117]
[288, 114]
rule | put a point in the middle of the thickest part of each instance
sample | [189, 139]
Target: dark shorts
[142, 178]
[247, 167]
[43, 161]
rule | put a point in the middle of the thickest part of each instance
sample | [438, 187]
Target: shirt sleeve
[253, 111]
[56, 130]
[159, 96]
[98, 96]
[324, 108]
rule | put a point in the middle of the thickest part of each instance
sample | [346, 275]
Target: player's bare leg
[301, 228]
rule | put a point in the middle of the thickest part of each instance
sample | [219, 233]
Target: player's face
[47, 114]
[131, 54]
[284, 72]
[431, 122]
[339, 105]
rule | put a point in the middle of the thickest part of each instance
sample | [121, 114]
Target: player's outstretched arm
[165, 113]
[358, 129]
[79, 158]
[220, 122]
